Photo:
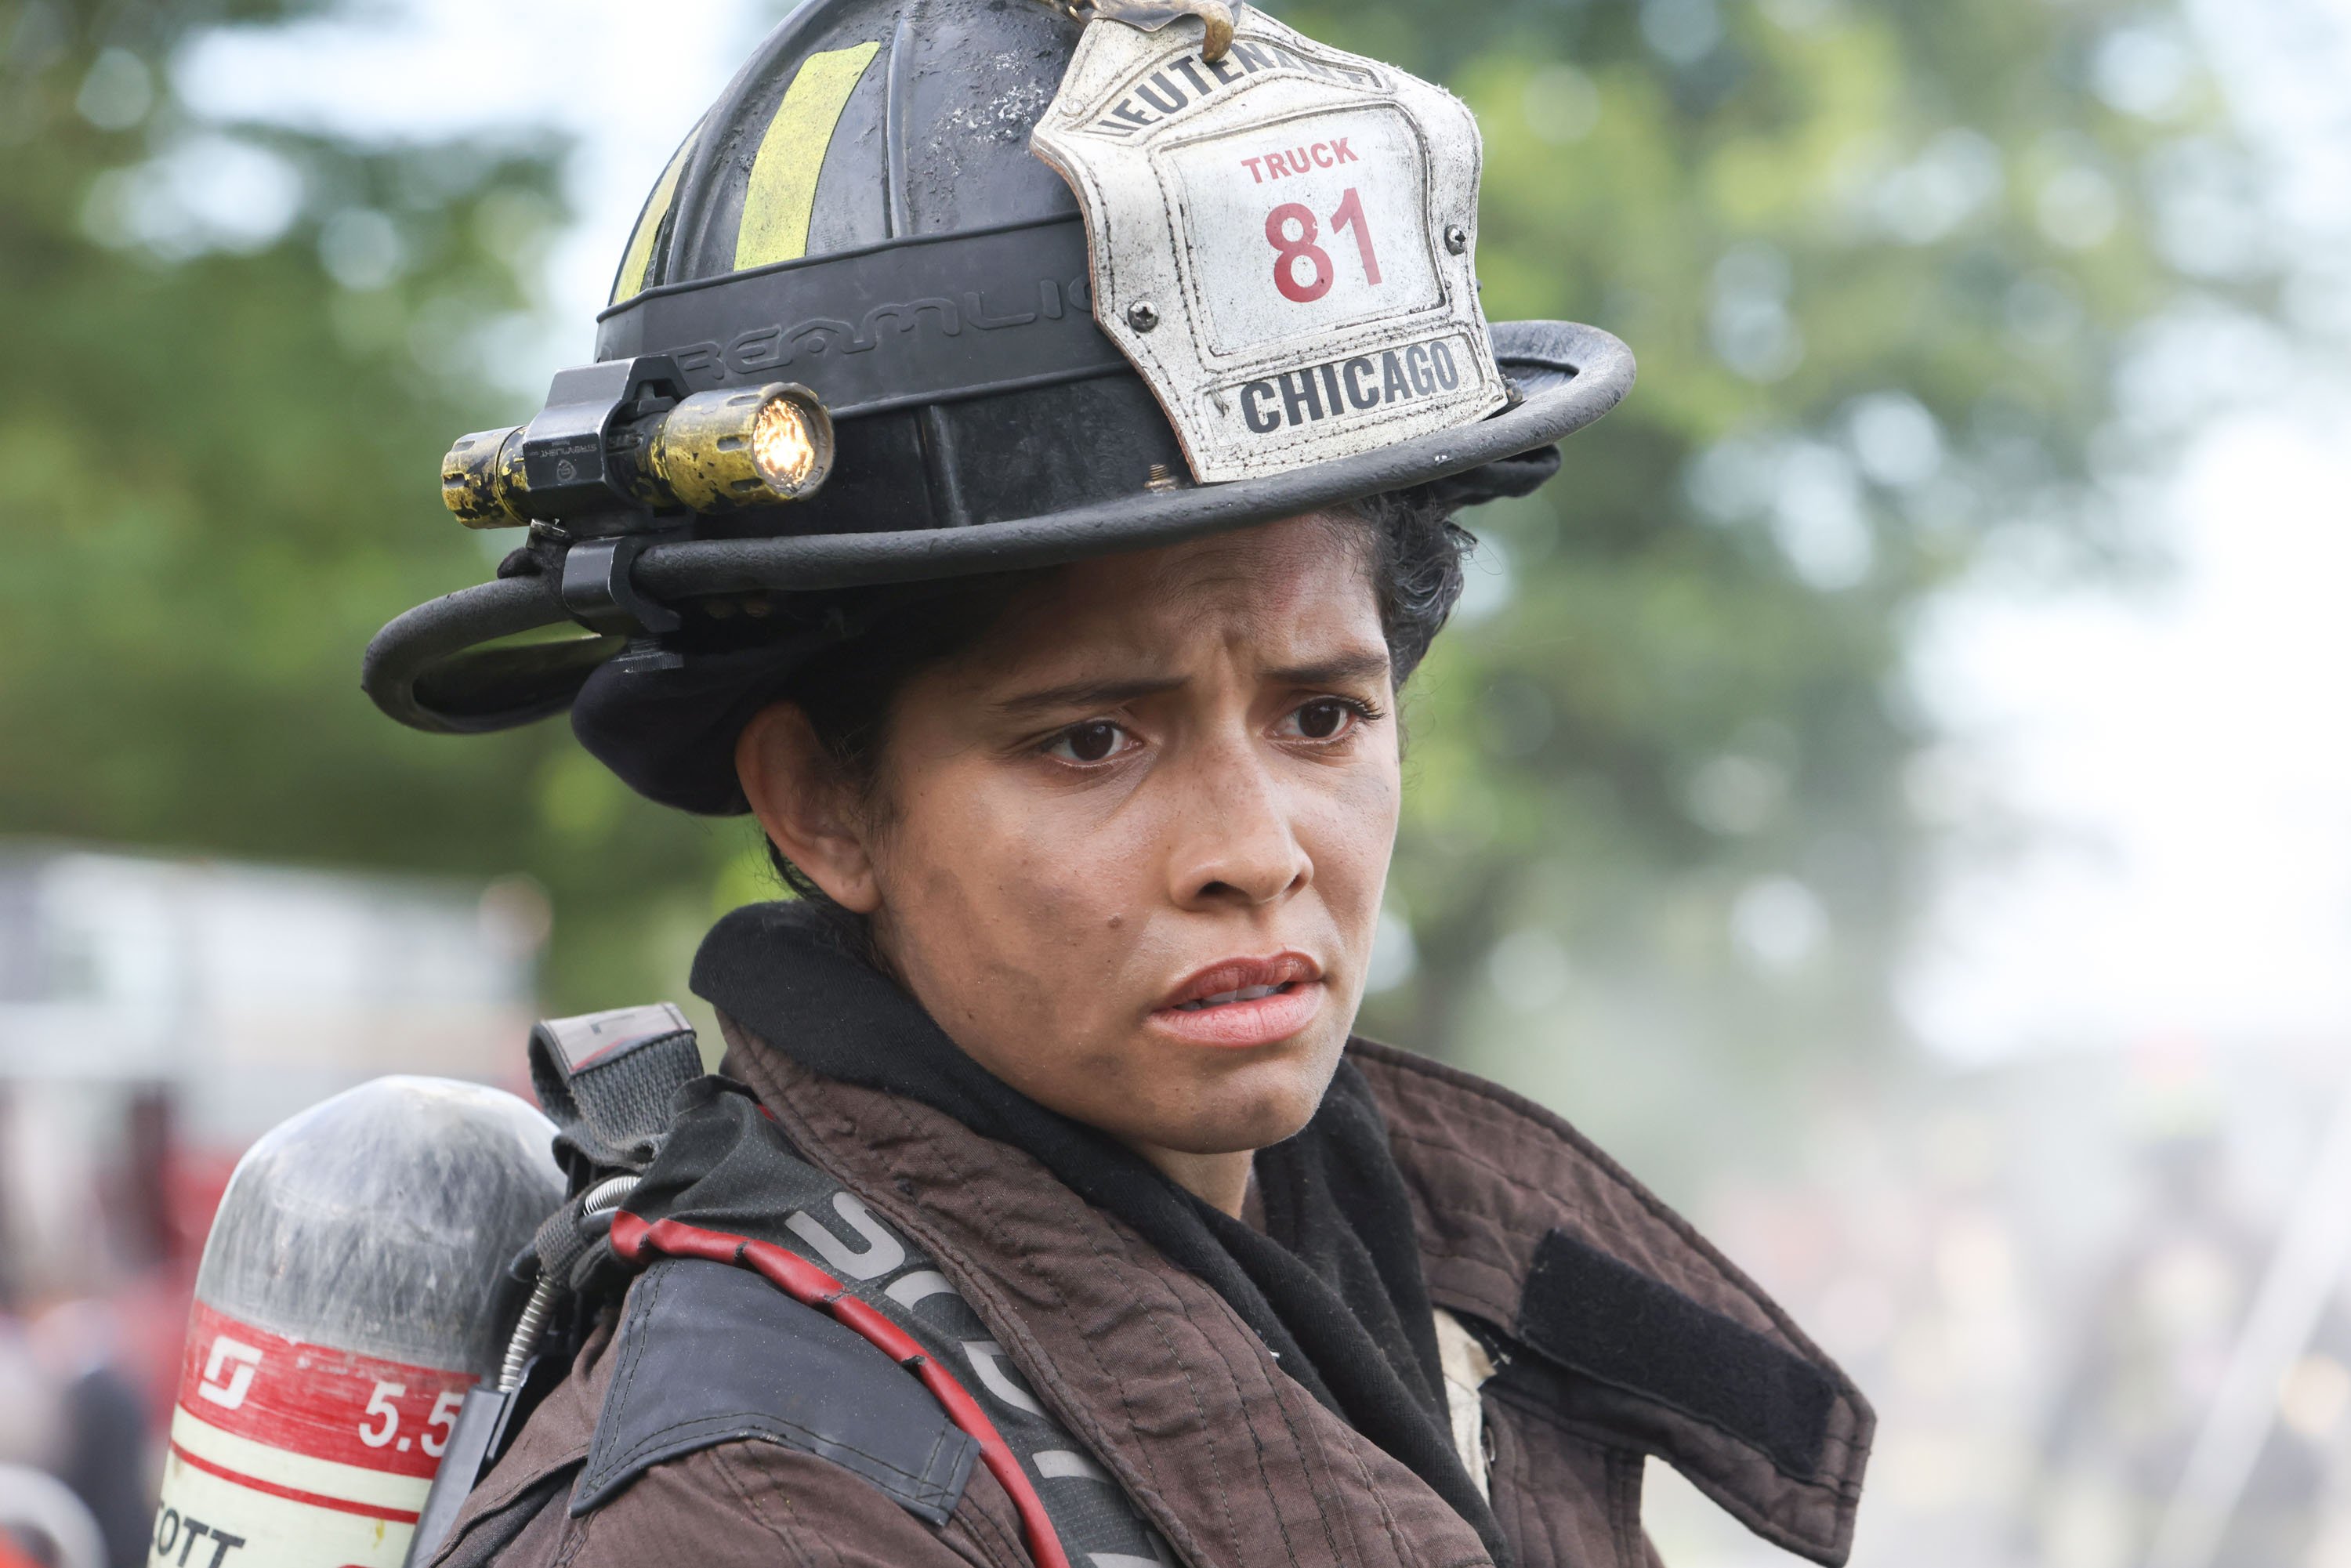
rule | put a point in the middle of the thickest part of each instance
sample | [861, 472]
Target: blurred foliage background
[1879, 261]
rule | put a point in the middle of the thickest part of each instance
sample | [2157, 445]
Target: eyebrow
[1340, 669]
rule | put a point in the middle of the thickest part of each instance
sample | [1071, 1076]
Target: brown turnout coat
[1232, 1460]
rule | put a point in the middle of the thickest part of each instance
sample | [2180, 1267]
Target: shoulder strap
[710, 1354]
[607, 1079]
[727, 1171]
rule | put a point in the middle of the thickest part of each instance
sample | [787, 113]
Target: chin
[1239, 1124]
[1238, 1106]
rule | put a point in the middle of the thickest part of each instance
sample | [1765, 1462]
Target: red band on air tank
[315, 1400]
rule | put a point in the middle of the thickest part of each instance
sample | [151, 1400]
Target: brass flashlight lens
[720, 450]
[482, 480]
[784, 446]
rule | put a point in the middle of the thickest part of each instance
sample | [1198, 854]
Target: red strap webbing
[637, 1242]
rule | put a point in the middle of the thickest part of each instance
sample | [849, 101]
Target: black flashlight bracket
[583, 454]
[584, 467]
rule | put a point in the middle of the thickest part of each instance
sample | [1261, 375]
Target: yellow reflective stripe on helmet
[782, 192]
[640, 254]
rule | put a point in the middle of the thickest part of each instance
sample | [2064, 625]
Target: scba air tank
[349, 1296]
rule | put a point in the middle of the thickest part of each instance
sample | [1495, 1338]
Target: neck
[1220, 1181]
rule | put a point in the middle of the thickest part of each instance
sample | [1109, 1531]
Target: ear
[808, 810]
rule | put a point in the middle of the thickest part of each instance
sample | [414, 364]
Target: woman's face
[1129, 849]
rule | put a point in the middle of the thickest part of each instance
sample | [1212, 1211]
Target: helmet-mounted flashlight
[712, 452]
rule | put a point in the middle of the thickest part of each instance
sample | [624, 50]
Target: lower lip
[1238, 1025]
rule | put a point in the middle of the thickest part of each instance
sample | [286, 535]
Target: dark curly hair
[1415, 554]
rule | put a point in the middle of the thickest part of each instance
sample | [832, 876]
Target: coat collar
[1619, 1317]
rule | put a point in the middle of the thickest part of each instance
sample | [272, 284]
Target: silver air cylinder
[344, 1306]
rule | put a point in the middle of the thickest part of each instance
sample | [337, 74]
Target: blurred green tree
[240, 352]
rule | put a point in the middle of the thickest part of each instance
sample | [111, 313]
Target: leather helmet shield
[1279, 240]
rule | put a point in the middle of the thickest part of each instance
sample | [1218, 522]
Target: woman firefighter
[1018, 471]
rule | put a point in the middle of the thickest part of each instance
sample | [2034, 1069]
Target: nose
[1236, 841]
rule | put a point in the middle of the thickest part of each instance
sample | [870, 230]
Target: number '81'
[1290, 251]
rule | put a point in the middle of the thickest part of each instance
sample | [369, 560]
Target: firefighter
[1018, 471]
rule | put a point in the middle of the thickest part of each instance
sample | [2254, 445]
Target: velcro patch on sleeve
[710, 1354]
[1597, 1316]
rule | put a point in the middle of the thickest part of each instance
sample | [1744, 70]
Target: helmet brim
[440, 667]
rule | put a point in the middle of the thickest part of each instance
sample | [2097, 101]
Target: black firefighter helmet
[940, 288]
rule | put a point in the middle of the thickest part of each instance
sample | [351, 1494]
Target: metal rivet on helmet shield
[1150, 16]
[1142, 315]
[1456, 238]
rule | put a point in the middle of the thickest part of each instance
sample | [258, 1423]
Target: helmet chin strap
[1150, 16]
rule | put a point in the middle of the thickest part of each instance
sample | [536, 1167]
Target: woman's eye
[1094, 741]
[1323, 718]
